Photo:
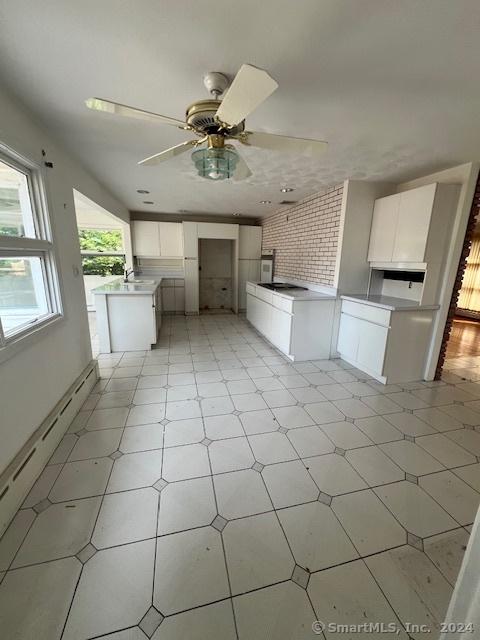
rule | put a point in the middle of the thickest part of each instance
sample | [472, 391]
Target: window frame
[41, 246]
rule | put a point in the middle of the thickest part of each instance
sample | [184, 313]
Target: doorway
[461, 339]
[216, 273]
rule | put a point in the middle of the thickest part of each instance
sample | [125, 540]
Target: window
[102, 252]
[28, 284]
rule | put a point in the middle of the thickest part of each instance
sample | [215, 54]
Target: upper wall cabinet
[384, 224]
[412, 226]
[250, 243]
[157, 239]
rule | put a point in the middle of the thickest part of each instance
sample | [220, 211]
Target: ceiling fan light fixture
[217, 163]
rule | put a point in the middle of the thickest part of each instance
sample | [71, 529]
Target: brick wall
[474, 213]
[305, 237]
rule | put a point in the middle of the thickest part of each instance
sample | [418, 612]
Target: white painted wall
[34, 379]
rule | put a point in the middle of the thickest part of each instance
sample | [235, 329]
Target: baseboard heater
[21, 474]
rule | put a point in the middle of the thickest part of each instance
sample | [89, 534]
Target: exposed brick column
[474, 211]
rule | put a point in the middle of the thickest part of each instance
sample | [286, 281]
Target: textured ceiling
[392, 86]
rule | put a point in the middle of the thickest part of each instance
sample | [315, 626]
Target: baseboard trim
[21, 474]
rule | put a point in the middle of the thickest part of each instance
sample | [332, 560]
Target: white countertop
[298, 294]
[387, 302]
[119, 287]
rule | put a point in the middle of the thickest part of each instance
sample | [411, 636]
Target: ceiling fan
[215, 121]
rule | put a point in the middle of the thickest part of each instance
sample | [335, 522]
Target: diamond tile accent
[81, 433]
[414, 541]
[42, 505]
[258, 466]
[409, 438]
[164, 421]
[300, 576]
[282, 429]
[115, 455]
[411, 478]
[151, 621]
[160, 484]
[219, 523]
[349, 419]
[236, 412]
[339, 451]
[86, 553]
[324, 498]
[206, 441]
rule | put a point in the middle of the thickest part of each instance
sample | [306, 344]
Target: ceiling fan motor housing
[201, 117]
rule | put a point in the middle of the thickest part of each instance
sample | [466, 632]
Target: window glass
[16, 217]
[23, 298]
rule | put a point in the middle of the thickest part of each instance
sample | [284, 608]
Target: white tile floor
[212, 489]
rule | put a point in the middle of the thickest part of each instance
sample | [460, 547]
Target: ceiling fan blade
[242, 170]
[170, 153]
[98, 104]
[284, 143]
[250, 87]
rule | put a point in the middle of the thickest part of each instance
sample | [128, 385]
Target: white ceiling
[392, 86]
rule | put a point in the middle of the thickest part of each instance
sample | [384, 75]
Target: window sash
[40, 246]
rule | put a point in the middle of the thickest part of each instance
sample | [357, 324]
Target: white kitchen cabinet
[179, 297]
[414, 215]
[388, 344]
[157, 239]
[250, 242]
[384, 223]
[348, 337]
[191, 286]
[168, 298]
[146, 239]
[248, 271]
[171, 239]
[190, 239]
[412, 226]
[300, 328]
[281, 329]
[127, 319]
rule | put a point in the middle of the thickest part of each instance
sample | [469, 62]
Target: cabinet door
[146, 241]
[372, 346]
[171, 239]
[252, 309]
[243, 270]
[191, 286]
[384, 224]
[349, 336]
[280, 331]
[168, 299]
[414, 217]
[190, 239]
[179, 299]
[250, 242]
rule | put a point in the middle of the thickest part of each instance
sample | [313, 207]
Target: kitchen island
[129, 314]
[297, 321]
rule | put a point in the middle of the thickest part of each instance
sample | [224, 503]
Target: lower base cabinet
[390, 345]
[300, 329]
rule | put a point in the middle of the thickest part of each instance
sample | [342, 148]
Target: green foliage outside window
[103, 241]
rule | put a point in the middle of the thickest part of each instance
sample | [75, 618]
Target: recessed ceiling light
[286, 189]
[142, 191]
[237, 214]
[147, 202]
[265, 202]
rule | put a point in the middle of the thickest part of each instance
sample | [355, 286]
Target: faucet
[128, 272]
